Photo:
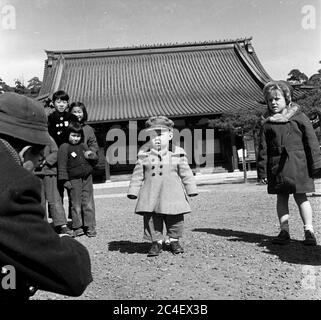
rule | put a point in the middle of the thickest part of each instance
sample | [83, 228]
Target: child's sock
[308, 227]
[285, 226]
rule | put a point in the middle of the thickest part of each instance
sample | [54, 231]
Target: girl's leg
[55, 206]
[282, 208]
[305, 210]
[306, 216]
[175, 226]
[153, 227]
[88, 206]
[75, 202]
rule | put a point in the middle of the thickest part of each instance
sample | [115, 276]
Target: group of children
[68, 165]
[289, 159]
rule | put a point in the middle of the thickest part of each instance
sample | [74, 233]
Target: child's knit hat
[23, 118]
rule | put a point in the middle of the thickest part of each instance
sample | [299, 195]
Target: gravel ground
[228, 251]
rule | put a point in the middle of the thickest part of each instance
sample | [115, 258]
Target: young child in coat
[79, 110]
[58, 120]
[161, 179]
[74, 171]
[289, 158]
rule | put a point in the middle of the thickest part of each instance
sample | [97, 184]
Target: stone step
[212, 170]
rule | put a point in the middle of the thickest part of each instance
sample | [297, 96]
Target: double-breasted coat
[289, 152]
[162, 181]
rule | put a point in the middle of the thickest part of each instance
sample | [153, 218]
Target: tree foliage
[4, 87]
[241, 121]
[19, 87]
[32, 89]
[296, 76]
[310, 101]
[34, 85]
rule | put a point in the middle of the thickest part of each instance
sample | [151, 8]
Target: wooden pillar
[102, 156]
[107, 170]
[234, 160]
[103, 165]
[107, 166]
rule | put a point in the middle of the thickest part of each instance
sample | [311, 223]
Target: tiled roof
[173, 80]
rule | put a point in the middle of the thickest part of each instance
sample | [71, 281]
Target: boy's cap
[158, 123]
[23, 118]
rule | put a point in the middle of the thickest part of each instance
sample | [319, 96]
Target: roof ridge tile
[152, 46]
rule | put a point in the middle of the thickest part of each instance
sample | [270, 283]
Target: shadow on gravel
[294, 252]
[129, 247]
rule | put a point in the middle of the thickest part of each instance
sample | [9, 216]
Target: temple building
[191, 83]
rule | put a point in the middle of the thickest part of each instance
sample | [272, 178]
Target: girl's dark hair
[75, 127]
[82, 107]
[62, 95]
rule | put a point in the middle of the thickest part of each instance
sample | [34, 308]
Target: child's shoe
[176, 247]
[282, 238]
[310, 239]
[155, 249]
[64, 230]
[91, 232]
[78, 232]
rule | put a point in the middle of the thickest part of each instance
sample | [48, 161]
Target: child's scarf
[290, 111]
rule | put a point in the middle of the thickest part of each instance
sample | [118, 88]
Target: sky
[285, 34]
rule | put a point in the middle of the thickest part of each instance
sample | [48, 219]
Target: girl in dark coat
[289, 157]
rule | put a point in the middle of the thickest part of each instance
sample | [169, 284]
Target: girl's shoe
[78, 232]
[282, 238]
[310, 239]
[91, 232]
[155, 249]
[176, 247]
[64, 230]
